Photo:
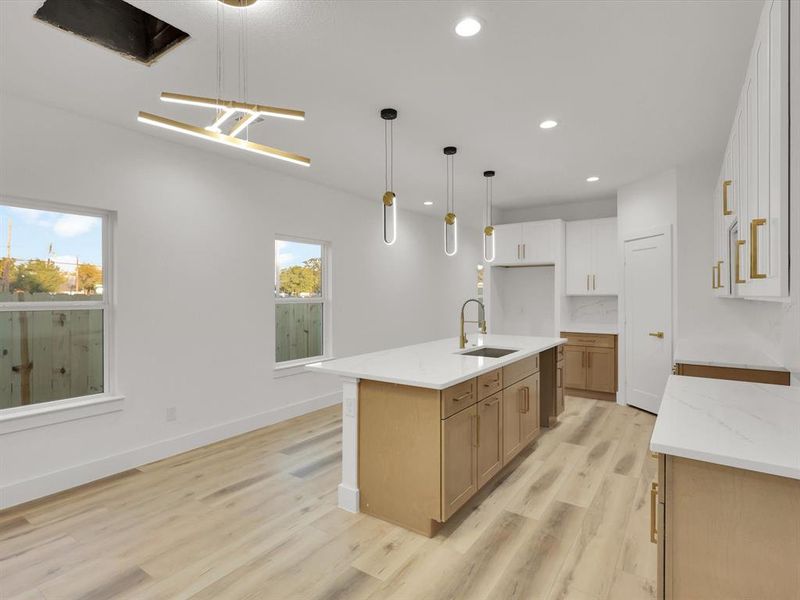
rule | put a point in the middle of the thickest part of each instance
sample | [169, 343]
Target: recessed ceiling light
[428, 203]
[468, 27]
[592, 179]
[549, 124]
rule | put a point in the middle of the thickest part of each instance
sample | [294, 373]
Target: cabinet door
[512, 429]
[600, 370]
[768, 202]
[578, 258]
[604, 257]
[529, 413]
[539, 242]
[508, 244]
[490, 441]
[459, 460]
[575, 367]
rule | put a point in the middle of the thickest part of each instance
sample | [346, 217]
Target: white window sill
[296, 367]
[21, 418]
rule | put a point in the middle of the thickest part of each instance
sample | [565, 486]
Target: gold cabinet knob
[658, 334]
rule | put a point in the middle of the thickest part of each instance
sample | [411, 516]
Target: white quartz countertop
[750, 426]
[694, 351]
[609, 328]
[435, 365]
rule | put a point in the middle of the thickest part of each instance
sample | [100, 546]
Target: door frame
[622, 339]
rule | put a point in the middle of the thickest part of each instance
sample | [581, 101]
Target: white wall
[185, 337]
[569, 211]
[523, 301]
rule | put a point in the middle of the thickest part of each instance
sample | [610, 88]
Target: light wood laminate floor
[255, 517]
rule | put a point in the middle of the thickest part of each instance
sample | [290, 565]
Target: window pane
[49, 256]
[298, 270]
[298, 331]
[49, 355]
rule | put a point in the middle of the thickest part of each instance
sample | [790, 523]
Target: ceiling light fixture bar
[221, 138]
[220, 104]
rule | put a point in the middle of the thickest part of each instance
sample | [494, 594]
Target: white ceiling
[635, 86]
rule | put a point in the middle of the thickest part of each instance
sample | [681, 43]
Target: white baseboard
[349, 498]
[44, 485]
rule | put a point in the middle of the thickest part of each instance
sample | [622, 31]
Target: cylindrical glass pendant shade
[450, 234]
[488, 243]
[389, 218]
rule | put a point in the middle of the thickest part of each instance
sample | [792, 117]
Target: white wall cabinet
[751, 199]
[591, 257]
[534, 243]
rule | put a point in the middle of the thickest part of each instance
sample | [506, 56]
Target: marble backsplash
[592, 309]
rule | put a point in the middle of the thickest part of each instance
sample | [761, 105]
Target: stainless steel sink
[489, 352]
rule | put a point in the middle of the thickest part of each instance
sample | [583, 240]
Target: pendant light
[234, 116]
[450, 221]
[389, 197]
[488, 230]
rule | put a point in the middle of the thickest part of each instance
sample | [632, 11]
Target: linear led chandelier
[233, 118]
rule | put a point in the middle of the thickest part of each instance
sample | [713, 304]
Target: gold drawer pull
[739, 244]
[719, 273]
[462, 397]
[653, 500]
[754, 224]
[658, 334]
[725, 209]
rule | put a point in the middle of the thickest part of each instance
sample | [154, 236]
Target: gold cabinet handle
[739, 244]
[594, 282]
[653, 500]
[658, 334]
[754, 225]
[477, 431]
[713, 277]
[719, 273]
[725, 209]
[587, 282]
[462, 397]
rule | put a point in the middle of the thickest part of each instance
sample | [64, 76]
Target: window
[53, 305]
[302, 315]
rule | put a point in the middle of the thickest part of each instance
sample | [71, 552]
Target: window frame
[37, 414]
[295, 367]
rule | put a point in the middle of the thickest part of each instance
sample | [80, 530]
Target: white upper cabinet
[591, 257]
[534, 243]
[751, 204]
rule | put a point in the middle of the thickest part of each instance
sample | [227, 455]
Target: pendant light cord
[489, 201]
[451, 192]
[220, 52]
[388, 140]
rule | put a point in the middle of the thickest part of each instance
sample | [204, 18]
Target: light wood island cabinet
[590, 365]
[423, 453]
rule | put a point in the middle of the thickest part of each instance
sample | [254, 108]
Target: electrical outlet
[172, 413]
[350, 407]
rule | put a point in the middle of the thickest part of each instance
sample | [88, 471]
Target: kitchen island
[425, 426]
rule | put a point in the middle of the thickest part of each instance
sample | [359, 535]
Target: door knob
[658, 334]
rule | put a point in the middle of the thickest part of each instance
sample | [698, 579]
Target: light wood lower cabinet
[424, 453]
[725, 533]
[601, 373]
[490, 437]
[590, 365]
[520, 416]
[459, 460]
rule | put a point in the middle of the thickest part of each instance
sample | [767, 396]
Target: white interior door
[648, 320]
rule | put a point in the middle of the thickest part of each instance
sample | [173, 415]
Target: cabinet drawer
[490, 383]
[520, 370]
[458, 397]
[597, 340]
